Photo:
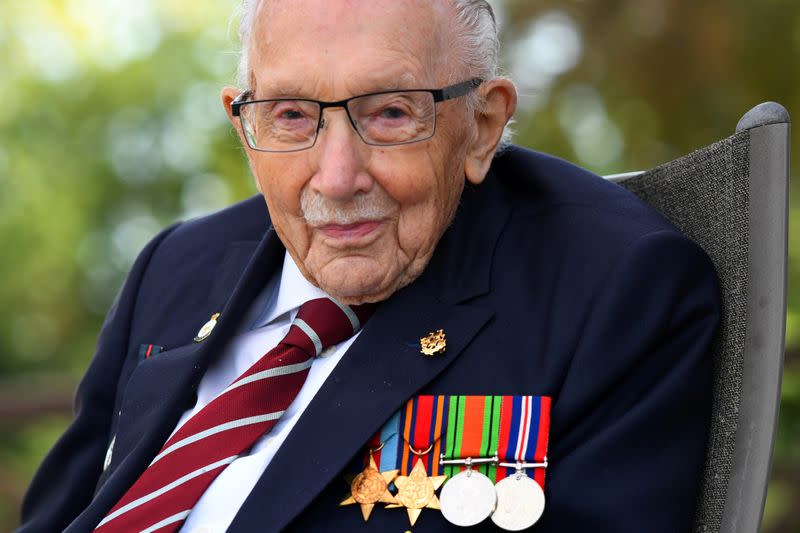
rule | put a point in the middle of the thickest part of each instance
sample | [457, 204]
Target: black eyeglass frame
[439, 95]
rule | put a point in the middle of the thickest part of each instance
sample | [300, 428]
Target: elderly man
[534, 342]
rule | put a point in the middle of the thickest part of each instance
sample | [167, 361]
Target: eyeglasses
[381, 119]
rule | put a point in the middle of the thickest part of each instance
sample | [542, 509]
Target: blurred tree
[111, 127]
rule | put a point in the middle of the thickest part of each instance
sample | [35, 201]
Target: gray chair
[731, 198]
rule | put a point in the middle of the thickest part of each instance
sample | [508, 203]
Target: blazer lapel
[380, 371]
[163, 387]
[384, 367]
[148, 416]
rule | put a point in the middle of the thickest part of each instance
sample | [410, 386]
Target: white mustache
[320, 211]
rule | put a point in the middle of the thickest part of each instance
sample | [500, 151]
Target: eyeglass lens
[380, 119]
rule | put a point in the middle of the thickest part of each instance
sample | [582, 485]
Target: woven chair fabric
[706, 195]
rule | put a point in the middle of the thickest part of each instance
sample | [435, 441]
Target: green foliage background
[111, 127]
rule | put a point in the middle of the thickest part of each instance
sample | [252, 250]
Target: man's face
[360, 221]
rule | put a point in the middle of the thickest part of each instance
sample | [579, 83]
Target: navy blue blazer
[550, 281]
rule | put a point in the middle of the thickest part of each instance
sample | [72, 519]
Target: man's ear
[500, 102]
[229, 94]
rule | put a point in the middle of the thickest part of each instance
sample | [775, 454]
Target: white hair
[478, 44]
[476, 27]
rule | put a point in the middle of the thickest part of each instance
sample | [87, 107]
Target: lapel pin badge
[109, 453]
[434, 343]
[207, 328]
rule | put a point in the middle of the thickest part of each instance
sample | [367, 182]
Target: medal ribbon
[473, 427]
[524, 433]
[422, 420]
[517, 428]
[385, 456]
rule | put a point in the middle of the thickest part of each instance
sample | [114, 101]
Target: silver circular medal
[520, 503]
[468, 498]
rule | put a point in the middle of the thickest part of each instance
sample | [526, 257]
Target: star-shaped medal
[369, 487]
[417, 491]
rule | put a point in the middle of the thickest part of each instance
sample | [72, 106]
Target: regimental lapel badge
[207, 328]
[433, 343]
[417, 491]
[369, 487]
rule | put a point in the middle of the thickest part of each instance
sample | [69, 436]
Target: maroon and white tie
[231, 423]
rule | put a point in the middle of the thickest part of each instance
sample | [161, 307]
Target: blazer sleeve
[629, 426]
[64, 483]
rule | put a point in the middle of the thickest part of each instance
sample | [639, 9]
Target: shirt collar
[293, 291]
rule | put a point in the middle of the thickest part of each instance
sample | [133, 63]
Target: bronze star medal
[417, 491]
[370, 487]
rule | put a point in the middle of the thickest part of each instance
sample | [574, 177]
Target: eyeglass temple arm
[454, 91]
[238, 101]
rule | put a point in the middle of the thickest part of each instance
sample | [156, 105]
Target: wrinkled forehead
[333, 49]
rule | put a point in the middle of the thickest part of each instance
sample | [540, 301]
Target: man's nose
[341, 156]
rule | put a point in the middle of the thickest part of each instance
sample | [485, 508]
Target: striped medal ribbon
[374, 483]
[420, 425]
[473, 430]
[522, 446]
[483, 445]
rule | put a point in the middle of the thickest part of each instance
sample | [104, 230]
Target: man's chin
[355, 292]
[356, 279]
[345, 281]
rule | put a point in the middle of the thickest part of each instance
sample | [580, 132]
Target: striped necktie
[231, 423]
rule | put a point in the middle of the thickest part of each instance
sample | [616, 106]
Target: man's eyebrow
[402, 82]
[297, 89]
[281, 89]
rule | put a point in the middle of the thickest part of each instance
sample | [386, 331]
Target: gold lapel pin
[207, 328]
[433, 343]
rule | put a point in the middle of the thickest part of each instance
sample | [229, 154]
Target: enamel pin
[434, 343]
[207, 328]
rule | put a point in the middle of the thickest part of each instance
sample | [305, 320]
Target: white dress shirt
[265, 325]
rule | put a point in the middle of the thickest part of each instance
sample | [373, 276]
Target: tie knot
[323, 322]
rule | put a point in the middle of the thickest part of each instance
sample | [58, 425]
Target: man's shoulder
[188, 249]
[545, 190]
[246, 220]
[560, 221]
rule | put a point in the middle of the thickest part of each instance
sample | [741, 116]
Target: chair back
[731, 198]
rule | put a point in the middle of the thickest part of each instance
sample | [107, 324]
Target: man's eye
[290, 114]
[393, 113]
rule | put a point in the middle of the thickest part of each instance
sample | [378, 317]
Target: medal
[417, 491]
[524, 434]
[369, 487]
[372, 485]
[468, 498]
[475, 441]
[520, 502]
[420, 423]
